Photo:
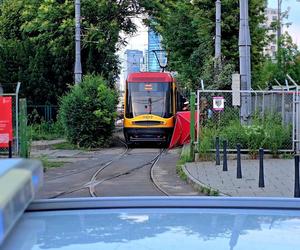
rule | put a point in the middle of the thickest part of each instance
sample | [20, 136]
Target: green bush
[206, 143]
[234, 133]
[88, 111]
[267, 132]
[46, 130]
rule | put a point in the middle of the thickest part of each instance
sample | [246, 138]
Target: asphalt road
[118, 171]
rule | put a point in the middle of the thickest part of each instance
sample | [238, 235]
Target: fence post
[24, 140]
[238, 159]
[261, 182]
[9, 149]
[217, 151]
[297, 185]
[225, 156]
[192, 126]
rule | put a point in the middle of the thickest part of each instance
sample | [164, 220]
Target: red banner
[6, 128]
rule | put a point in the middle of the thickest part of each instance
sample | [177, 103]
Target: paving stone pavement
[279, 177]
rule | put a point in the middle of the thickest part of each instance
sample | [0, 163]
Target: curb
[199, 185]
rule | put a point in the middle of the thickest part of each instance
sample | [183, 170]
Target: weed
[46, 130]
[65, 145]
[49, 164]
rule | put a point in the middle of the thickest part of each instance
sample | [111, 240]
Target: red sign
[6, 129]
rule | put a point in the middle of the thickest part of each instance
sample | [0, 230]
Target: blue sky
[294, 17]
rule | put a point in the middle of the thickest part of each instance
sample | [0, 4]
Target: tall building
[144, 66]
[133, 61]
[271, 48]
[154, 44]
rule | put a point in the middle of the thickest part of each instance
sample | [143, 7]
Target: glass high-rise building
[133, 61]
[154, 44]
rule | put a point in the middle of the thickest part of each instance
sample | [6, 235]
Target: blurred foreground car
[149, 222]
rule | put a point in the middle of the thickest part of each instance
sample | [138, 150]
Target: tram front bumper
[148, 134]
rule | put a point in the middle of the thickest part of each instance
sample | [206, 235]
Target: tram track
[102, 167]
[152, 162]
[96, 180]
[97, 166]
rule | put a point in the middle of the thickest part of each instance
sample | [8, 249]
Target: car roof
[158, 223]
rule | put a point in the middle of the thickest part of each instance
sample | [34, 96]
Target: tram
[149, 107]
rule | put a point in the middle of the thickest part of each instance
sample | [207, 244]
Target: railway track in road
[152, 163]
[102, 167]
[108, 172]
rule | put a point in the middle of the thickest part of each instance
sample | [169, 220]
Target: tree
[87, 112]
[287, 62]
[37, 43]
[188, 29]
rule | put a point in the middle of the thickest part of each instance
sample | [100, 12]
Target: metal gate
[12, 90]
[284, 104]
[296, 120]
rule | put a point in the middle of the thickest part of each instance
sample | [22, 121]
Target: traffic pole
[238, 161]
[261, 181]
[225, 168]
[297, 185]
[217, 151]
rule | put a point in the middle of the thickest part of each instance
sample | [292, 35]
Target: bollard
[261, 182]
[238, 161]
[9, 150]
[217, 151]
[297, 185]
[225, 155]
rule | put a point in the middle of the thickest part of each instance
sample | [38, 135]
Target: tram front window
[149, 98]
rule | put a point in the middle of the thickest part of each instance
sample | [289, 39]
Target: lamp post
[77, 68]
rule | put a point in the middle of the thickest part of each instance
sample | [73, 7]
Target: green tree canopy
[188, 30]
[37, 42]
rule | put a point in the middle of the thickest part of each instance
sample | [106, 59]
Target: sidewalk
[279, 177]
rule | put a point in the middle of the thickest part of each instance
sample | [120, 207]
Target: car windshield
[149, 98]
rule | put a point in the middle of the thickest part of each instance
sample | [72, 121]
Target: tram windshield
[149, 98]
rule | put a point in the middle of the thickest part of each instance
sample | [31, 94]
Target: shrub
[267, 131]
[87, 112]
[46, 130]
[207, 138]
[234, 133]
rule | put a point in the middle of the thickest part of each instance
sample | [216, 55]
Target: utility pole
[77, 68]
[245, 60]
[279, 2]
[218, 31]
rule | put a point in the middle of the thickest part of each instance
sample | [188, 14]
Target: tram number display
[6, 128]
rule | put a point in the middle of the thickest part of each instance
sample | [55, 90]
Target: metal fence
[220, 107]
[42, 113]
[10, 90]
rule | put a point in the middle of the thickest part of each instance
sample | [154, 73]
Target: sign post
[6, 128]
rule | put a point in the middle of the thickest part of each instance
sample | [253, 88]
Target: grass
[65, 145]
[184, 157]
[46, 131]
[49, 164]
